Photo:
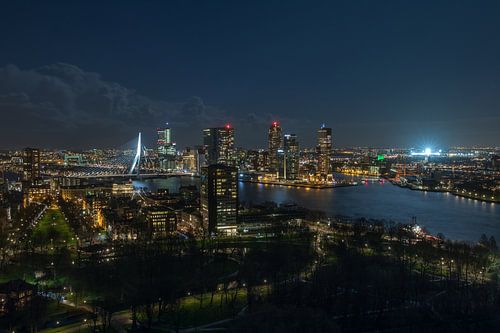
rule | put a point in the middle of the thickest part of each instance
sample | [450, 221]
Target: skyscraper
[219, 144]
[201, 158]
[263, 160]
[219, 198]
[166, 149]
[164, 140]
[324, 150]
[291, 157]
[31, 164]
[274, 145]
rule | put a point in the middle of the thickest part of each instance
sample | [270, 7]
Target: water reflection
[455, 217]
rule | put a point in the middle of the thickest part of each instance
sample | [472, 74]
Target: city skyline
[156, 141]
[416, 73]
[156, 135]
[262, 166]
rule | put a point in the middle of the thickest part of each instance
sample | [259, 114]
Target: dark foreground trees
[368, 279]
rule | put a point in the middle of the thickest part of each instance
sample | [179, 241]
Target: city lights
[329, 167]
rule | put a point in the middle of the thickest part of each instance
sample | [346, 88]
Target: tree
[493, 244]
[37, 310]
[4, 243]
[483, 240]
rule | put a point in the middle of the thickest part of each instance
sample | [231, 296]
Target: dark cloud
[61, 105]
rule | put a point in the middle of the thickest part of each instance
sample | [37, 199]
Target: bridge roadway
[137, 176]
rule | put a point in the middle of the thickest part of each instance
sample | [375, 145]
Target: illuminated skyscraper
[164, 140]
[291, 157]
[31, 164]
[219, 198]
[324, 150]
[263, 160]
[201, 158]
[167, 151]
[219, 144]
[275, 143]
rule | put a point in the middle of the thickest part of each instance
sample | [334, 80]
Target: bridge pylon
[136, 164]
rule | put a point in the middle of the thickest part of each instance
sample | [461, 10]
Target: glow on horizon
[426, 152]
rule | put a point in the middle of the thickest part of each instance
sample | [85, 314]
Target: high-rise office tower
[167, 150]
[219, 144]
[201, 158]
[164, 140]
[219, 198]
[263, 160]
[291, 157]
[324, 150]
[31, 164]
[274, 145]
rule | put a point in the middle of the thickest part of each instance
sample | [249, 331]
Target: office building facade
[31, 165]
[164, 140]
[167, 151]
[324, 151]
[291, 152]
[274, 144]
[219, 145]
[219, 199]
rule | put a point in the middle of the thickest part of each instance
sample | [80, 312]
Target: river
[457, 218]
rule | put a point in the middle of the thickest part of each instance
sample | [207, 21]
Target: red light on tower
[275, 123]
[228, 126]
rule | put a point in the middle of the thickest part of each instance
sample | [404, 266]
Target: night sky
[380, 73]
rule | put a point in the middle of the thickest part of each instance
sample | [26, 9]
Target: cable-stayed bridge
[127, 164]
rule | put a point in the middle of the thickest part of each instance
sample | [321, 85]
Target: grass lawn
[54, 230]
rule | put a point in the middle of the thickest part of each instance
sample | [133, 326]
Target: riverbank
[302, 185]
[477, 197]
[456, 218]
